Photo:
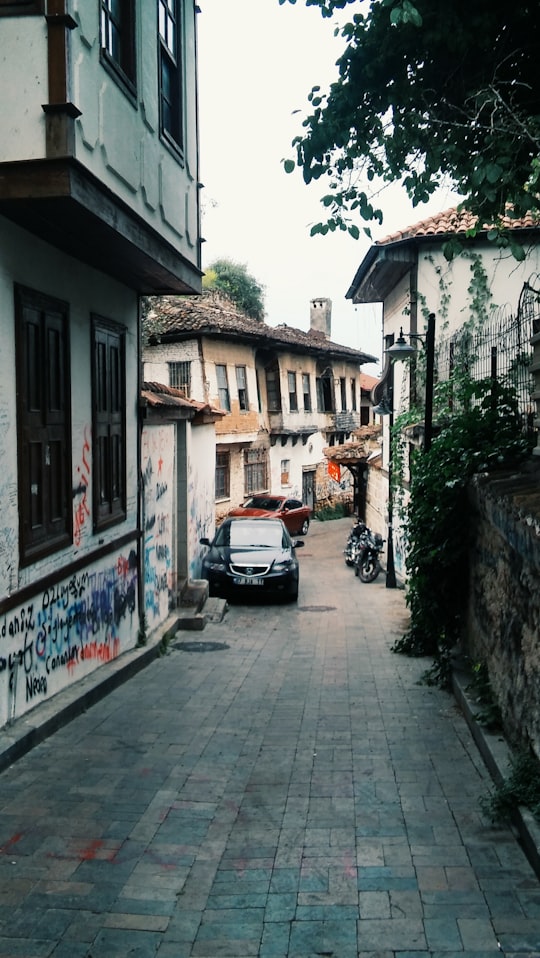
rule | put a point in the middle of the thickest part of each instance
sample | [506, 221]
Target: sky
[257, 63]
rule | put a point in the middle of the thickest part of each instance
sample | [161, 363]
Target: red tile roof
[454, 221]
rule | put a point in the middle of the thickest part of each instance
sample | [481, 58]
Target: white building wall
[62, 632]
[201, 460]
[158, 469]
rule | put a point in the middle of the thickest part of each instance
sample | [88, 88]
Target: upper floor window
[353, 394]
[343, 391]
[273, 393]
[43, 424]
[170, 71]
[223, 387]
[118, 36]
[241, 383]
[109, 424]
[293, 397]
[306, 389]
[180, 377]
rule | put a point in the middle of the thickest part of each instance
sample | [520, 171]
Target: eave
[62, 203]
[380, 271]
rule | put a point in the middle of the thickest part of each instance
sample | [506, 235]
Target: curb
[497, 758]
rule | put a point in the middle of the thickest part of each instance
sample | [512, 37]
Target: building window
[293, 397]
[255, 471]
[364, 415]
[223, 387]
[285, 471]
[180, 377]
[241, 383]
[9, 7]
[343, 392]
[353, 394]
[306, 389]
[273, 393]
[109, 425]
[118, 36]
[325, 393]
[43, 424]
[170, 71]
[223, 475]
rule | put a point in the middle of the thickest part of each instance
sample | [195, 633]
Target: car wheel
[304, 528]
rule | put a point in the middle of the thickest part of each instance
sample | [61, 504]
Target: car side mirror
[298, 543]
[204, 541]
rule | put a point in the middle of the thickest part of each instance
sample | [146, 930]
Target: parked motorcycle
[351, 548]
[368, 549]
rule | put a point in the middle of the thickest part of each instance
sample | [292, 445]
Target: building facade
[98, 205]
[286, 394]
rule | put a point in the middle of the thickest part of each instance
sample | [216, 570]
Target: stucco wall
[80, 603]
[504, 601]
[158, 476]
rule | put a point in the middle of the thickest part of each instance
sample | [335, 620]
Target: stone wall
[503, 618]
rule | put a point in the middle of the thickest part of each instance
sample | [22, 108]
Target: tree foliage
[234, 280]
[428, 92]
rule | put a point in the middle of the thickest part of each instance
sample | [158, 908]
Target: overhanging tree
[428, 92]
[238, 284]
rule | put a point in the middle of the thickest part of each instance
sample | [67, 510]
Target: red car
[294, 514]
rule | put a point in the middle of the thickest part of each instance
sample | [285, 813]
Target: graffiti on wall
[65, 632]
[158, 476]
[81, 508]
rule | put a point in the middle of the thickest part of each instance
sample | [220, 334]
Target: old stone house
[286, 393]
[98, 205]
[488, 296]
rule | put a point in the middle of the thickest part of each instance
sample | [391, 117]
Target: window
[170, 72]
[325, 393]
[118, 36]
[306, 389]
[285, 470]
[9, 7]
[343, 391]
[223, 475]
[273, 393]
[180, 377]
[43, 424]
[223, 387]
[109, 426]
[241, 384]
[293, 398]
[353, 394]
[255, 470]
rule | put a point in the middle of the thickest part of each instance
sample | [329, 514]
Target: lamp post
[386, 408]
[404, 350]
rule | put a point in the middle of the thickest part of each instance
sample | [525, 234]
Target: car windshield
[267, 535]
[263, 502]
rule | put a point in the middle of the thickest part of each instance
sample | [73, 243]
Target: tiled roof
[368, 382]
[211, 314]
[454, 221]
[157, 394]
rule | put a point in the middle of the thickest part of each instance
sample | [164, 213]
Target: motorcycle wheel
[369, 570]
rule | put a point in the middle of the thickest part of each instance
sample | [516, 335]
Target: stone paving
[290, 792]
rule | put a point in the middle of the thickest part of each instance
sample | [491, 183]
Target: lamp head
[383, 408]
[401, 349]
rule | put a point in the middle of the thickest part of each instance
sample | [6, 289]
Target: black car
[252, 557]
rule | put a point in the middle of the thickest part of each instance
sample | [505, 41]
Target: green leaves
[425, 93]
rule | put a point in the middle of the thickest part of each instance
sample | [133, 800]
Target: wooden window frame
[306, 390]
[255, 470]
[122, 61]
[21, 8]
[170, 79]
[223, 474]
[180, 376]
[293, 391]
[223, 387]
[44, 465]
[109, 422]
[241, 385]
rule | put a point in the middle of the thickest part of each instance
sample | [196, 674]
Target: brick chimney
[321, 316]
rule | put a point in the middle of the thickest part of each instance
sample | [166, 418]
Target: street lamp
[385, 407]
[404, 350]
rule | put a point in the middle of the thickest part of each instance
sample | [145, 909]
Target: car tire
[304, 528]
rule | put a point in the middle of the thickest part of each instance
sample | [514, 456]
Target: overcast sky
[257, 63]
